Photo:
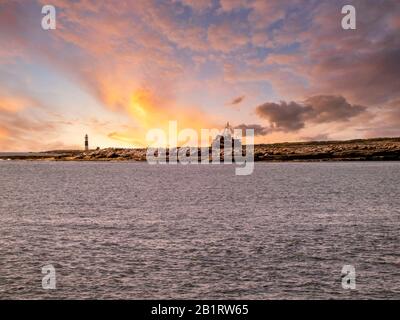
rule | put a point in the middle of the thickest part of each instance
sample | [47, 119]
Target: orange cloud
[137, 59]
[150, 112]
[13, 104]
[3, 133]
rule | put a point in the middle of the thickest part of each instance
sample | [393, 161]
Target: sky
[116, 69]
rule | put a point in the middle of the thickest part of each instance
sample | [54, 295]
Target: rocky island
[379, 149]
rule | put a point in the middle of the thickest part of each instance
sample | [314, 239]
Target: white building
[225, 138]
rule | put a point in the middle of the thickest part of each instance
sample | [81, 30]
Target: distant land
[377, 149]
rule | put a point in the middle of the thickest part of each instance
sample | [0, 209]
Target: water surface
[135, 231]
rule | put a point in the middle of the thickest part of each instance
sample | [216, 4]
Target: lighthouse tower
[86, 143]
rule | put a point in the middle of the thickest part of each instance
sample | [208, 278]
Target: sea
[130, 230]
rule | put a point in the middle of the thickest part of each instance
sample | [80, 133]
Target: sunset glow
[116, 71]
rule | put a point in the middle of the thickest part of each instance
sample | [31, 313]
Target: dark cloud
[258, 129]
[363, 65]
[284, 116]
[318, 109]
[331, 108]
[237, 100]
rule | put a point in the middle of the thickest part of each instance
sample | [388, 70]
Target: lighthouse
[86, 142]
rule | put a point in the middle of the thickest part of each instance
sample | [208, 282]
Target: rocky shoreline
[380, 149]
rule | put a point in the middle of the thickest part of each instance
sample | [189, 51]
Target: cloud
[361, 64]
[25, 133]
[125, 138]
[199, 5]
[258, 129]
[237, 100]
[386, 122]
[282, 59]
[284, 116]
[327, 108]
[225, 37]
[292, 116]
[124, 56]
[309, 52]
[137, 60]
[229, 5]
[13, 104]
